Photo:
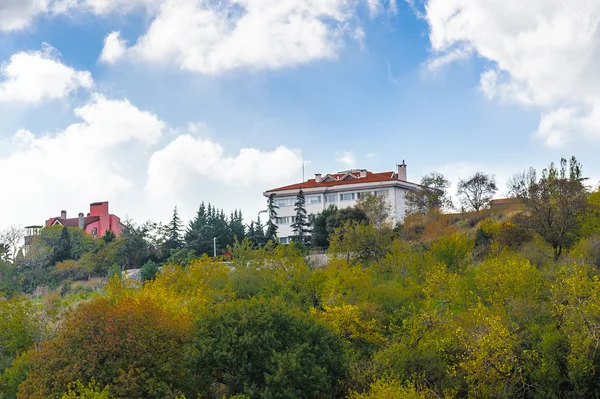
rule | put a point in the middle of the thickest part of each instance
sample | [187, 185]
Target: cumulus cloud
[213, 37]
[114, 48]
[545, 53]
[17, 14]
[187, 158]
[347, 158]
[115, 152]
[30, 77]
[79, 164]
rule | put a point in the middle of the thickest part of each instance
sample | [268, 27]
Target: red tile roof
[369, 178]
[74, 222]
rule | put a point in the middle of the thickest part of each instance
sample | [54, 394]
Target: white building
[341, 189]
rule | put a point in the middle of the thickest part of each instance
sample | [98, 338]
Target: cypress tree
[300, 227]
[173, 230]
[272, 212]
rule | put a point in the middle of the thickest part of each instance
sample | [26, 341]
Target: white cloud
[214, 37]
[545, 53]
[114, 48]
[187, 158]
[85, 162]
[347, 158]
[103, 7]
[30, 77]
[17, 14]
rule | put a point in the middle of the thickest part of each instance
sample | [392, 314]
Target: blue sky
[221, 102]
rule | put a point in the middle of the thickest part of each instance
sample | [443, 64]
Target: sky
[152, 104]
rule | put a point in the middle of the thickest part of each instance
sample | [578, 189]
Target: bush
[133, 346]
[452, 250]
[149, 271]
[262, 349]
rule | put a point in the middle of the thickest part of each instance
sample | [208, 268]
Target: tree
[320, 234]
[63, 250]
[477, 191]
[300, 227]
[135, 347]
[10, 243]
[360, 242]
[132, 249]
[377, 209]
[272, 212]
[431, 195]
[554, 204]
[264, 349]
[109, 237]
[342, 216]
[173, 232]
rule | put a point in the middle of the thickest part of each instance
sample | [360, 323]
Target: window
[380, 193]
[315, 199]
[285, 202]
[347, 197]
[330, 198]
[94, 231]
[284, 240]
[283, 220]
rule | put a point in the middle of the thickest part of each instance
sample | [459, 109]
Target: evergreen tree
[63, 249]
[198, 236]
[272, 212]
[300, 227]
[173, 230]
[237, 230]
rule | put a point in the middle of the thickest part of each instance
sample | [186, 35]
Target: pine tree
[259, 233]
[173, 230]
[198, 231]
[300, 227]
[272, 212]
[63, 249]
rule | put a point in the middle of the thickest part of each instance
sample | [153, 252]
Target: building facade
[343, 190]
[96, 223]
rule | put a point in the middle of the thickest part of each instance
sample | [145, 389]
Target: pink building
[97, 222]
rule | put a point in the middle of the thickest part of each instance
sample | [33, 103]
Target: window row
[329, 198]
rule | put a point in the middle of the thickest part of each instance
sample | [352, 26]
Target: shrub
[132, 346]
[262, 349]
[149, 271]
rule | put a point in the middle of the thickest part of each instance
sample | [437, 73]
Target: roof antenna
[303, 171]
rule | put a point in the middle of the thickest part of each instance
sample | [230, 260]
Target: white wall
[395, 198]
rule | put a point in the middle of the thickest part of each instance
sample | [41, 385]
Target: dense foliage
[472, 305]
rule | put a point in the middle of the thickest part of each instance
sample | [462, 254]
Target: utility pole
[215, 246]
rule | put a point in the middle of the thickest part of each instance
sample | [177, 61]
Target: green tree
[109, 237]
[63, 249]
[271, 233]
[149, 271]
[263, 349]
[554, 204]
[432, 194]
[477, 191]
[377, 209]
[343, 216]
[300, 227]
[132, 251]
[133, 346]
[320, 233]
[173, 240]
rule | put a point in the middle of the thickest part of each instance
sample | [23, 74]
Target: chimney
[318, 177]
[81, 221]
[63, 214]
[363, 173]
[402, 171]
